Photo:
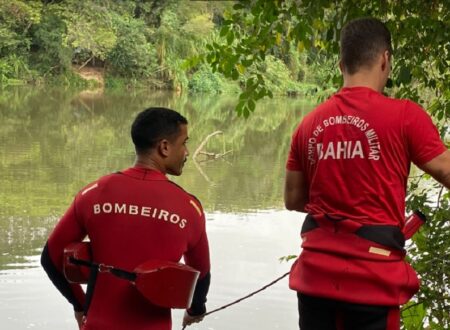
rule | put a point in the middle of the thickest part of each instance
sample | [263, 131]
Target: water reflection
[53, 142]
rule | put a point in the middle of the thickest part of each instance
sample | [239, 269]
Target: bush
[205, 81]
[132, 55]
[50, 54]
[278, 78]
[14, 70]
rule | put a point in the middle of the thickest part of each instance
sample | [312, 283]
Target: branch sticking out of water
[209, 155]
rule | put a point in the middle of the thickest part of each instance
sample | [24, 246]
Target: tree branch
[200, 147]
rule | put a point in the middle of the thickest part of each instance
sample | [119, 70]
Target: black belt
[96, 268]
[390, 236]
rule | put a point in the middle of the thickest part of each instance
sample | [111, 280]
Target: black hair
[362, 40]
[153, 125]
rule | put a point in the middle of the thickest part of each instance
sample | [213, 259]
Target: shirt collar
[142, 173]
[357, 89]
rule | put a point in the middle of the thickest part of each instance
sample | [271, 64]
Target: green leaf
[239, 106]
[255, 10]
[234, 74]
[238, 6]
[389, 83]
[230, 37]
[224, 30]
[246, 63]
[404, 75]
[251, 105]
[413, 315]
[245, 112]
[243, 96]
[287, 258]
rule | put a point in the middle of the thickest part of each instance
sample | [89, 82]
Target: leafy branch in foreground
[256, 29]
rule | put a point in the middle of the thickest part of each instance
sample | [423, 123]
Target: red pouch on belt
[166, 284]
[76, 273]
[163, 283]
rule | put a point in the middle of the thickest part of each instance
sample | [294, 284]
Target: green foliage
[133, 55]
[70, 79]
[112, 82]
[184, 27]
[90, 29]
[17, 17]
[14, 70]
[430, 253]
[150, 10]
[413, 316]
[278, 78]
[259, 28]
[131, 39]
[51, 54]
[204, 81]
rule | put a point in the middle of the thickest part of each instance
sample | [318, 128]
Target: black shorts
[326, 314]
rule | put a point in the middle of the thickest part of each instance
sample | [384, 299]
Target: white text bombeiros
[143, 211]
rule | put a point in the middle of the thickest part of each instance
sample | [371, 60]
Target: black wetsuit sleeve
[59, 280]
[198, 306]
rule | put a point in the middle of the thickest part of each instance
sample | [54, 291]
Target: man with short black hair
[131, 217]
[348, 168]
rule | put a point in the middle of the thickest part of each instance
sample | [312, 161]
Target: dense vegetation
[130, 42]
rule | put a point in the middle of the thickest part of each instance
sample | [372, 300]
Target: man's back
[355, 150]
[348, 168]
[131, 217]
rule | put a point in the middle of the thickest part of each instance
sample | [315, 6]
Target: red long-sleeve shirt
[130, 217]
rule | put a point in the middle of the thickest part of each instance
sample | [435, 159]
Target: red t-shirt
[131, 217]
[355, 151]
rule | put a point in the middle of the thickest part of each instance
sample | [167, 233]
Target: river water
[54, 141]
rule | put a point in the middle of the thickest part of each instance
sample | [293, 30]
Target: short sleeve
[293, 162]
[424, 142]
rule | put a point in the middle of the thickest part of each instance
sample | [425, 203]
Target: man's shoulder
[190, 199]
[401, 106]
[94, 185]
[391, 99]
[183, 192]
[322, 108]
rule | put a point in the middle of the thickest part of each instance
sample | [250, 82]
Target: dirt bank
[91, 73]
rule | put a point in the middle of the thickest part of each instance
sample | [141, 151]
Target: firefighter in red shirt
[348, 168]
[131, 217]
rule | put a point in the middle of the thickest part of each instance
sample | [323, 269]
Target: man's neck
[363, 79]
[148, 162]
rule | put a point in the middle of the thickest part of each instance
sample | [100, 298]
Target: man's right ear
[341, 66]
[163, 148]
